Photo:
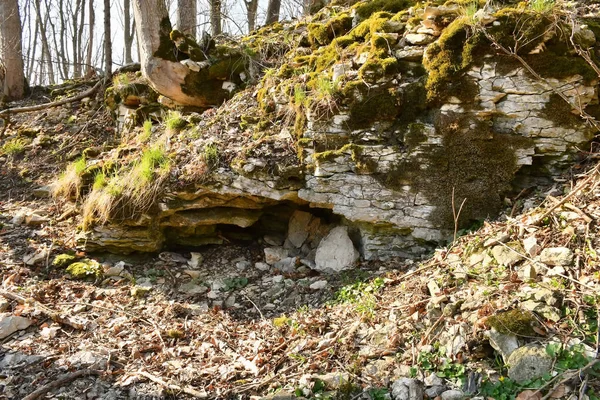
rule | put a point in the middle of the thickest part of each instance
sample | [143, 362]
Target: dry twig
[60, 381]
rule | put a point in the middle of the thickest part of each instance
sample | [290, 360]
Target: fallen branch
[185, 389]
[44, 106]
[53, 315]
[60, 381]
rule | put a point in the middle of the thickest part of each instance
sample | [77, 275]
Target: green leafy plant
[362, 295]
[235, 283]
[542, 6]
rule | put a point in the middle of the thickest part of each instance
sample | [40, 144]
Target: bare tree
[88, 58]
[251, 10]
[41, 24]
[273, 11]
[215, 17]
[187, 11]
[107, 40]
[11, 73]
[129, 29]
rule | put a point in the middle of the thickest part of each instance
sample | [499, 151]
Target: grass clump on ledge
[174, 122]
[70, 182]
[130, 192]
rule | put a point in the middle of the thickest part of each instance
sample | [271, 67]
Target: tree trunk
[273, 11]
[251, 10]
[88, 59]
[187, 11]
[201, 87]
[81, 47]
[43, 24]
[107, 40]
[215, 17]
[128, 31]
[63, 38]
[13, 85]
[74, 40]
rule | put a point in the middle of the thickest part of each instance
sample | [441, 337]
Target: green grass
[69, 183]
[211, 155]
[174, 122]
[99, 181]
[146, 132]
[13, 147]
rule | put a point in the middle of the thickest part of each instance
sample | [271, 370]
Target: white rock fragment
[336, 252]
[10, 324]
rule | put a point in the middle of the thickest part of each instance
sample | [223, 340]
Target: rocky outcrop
[389, 154]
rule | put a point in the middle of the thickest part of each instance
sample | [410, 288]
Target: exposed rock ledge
[411, 210]
[392, 180]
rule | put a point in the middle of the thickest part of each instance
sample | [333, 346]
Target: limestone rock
[275, 254]
[419, 39]
[407, 389]
[191, 289]
[10, 324]
[42, 192]
[505, 344]
[336, 252]
[298, 228]
[506, 256]
[528, 362]
[559, 256]
[318, 285]
[36, 258]
[532, 248]
[452, 395]
[35, 220]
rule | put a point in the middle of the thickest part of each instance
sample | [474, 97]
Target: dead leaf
[529, 395]
[559, 392]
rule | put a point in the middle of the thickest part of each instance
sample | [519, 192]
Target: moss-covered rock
[63, 260]
[85, 269]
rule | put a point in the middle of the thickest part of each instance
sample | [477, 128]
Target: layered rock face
[392, 165]
[512, 132]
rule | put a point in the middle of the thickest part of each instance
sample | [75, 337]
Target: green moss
[551, 65]
[187, 45]
[85, 269]
[350, 148]
[519, 28]
[323, 33]
[368, 106]
[166, 49]
[473, 162]
[415, 135]
[364, 9]
[514, 322]
[450, 56]
[63, 260]
[558, 111]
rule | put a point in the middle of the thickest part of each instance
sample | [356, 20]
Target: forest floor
[150, 327]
